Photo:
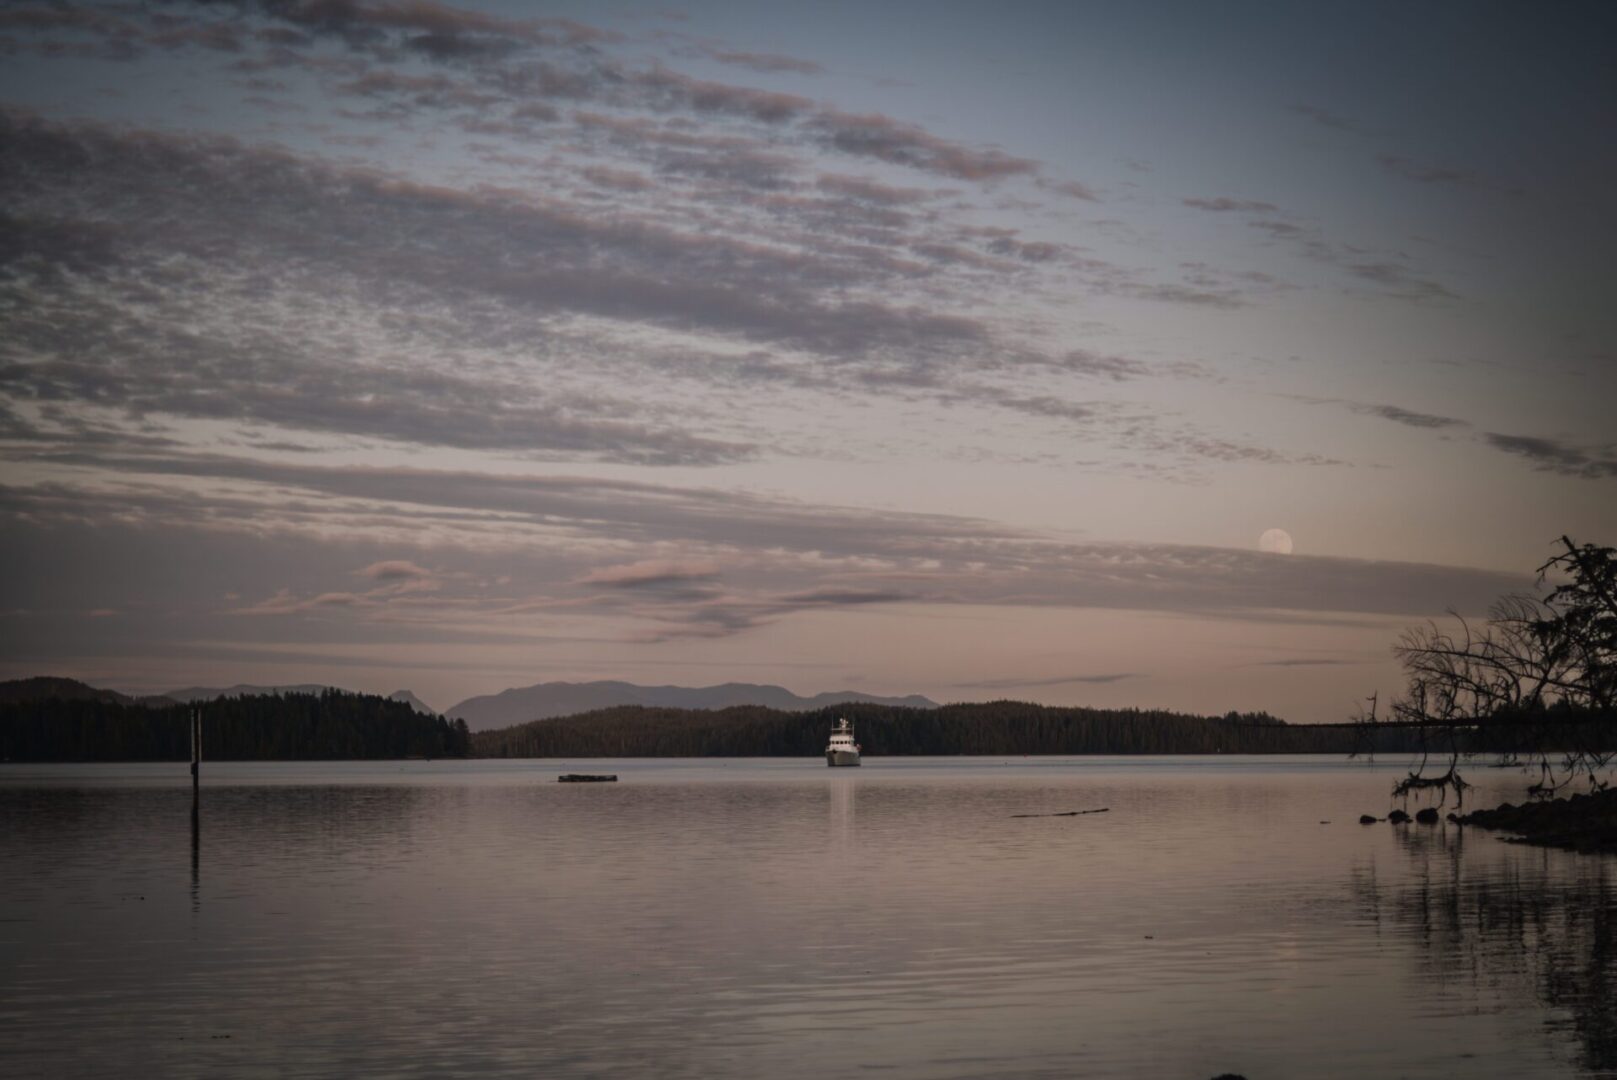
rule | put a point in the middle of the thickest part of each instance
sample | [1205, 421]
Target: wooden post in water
[196, 806]
[196, 753]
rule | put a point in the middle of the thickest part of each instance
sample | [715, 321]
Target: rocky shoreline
[1578, 823]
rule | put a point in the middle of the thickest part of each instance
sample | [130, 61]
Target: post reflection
[196, 852]
[1535, 923]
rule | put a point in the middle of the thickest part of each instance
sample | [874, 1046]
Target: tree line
[333, 725]
[989, 728]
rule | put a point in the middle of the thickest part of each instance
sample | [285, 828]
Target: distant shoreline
[338, 726]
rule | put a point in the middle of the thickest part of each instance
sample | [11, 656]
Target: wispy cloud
[1424, 173]
[1224, 205]
[1392, 273]
[1327, 118]
[650, 573]
[788, 555]
[1553, 455]
[1059, 680]
[285, 603]
[1407, 417]
[768, 63]
[1397, 279]
[391, 570]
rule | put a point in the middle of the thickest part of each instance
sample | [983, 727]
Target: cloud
[1397, 280]
[1425, 173]
[1070, 188]
[898, 143]
[1184, 294]
[1224, 205]
[844, 597]
[1059, 680]
[650, 573]
[669, 90]
[1552, 455]
[186, 376]
[860, 187]
[539, 257]
[1280, 230]
[617, 179]
[1097, 365]
[789, 555]
[391, 570]
[1327, 118]
[765, 62]
[497, 65]
[468, 342]
[284, 603]
[1408, 417]
[715, 616]
[369, 25]
[210, 321]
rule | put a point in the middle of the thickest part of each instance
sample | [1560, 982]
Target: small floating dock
[586, 778]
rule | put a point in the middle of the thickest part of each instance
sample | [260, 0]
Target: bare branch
[1537, 682]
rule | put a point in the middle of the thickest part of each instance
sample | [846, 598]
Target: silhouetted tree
[1537, 682]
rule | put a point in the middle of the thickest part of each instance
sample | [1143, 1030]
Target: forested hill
[327, 726]
[42, 687]
[995, 727]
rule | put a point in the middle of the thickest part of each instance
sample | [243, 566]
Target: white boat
[842, 750]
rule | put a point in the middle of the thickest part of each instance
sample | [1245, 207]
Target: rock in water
[1366, 819]
[1427, 816]
[1581, 823]
[1397, 817]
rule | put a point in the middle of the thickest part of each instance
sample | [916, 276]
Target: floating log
[1067, 813]
[585, 778]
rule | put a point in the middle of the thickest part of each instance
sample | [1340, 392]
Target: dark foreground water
[780, 919]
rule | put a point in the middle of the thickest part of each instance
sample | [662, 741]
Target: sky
[957, 349]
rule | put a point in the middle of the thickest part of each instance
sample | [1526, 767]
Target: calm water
[779, 919]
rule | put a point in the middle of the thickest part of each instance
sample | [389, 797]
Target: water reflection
[843, 797]
[736, 919]
[196, 852]
[1526, 923]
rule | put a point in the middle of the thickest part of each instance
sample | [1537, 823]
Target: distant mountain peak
[549, 699]
[409, 698]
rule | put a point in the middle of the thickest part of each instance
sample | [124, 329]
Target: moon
[1275, 541]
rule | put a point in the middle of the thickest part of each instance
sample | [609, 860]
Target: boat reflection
[843, 808]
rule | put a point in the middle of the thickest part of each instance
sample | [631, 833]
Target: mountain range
[545, 700]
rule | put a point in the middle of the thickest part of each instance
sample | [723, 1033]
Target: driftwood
[1068, 813]
[585, 778]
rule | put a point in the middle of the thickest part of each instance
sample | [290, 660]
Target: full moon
[1277, 541]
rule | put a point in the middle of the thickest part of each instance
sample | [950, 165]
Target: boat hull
[841, 757]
